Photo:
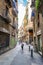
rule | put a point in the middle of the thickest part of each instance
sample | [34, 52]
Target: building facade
[28, 27]
[38, 26]
[8, 17]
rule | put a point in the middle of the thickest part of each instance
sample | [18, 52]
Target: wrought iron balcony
[6, 14]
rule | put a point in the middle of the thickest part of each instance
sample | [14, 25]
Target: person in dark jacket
[32, 49]
[22, 46]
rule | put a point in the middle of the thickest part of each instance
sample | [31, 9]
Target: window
[39, 43]
[6, 11]
[38, 23]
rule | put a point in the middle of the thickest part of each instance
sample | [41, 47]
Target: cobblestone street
[17, 57]
[21, 32]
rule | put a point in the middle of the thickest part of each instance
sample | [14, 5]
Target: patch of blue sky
[24, 2]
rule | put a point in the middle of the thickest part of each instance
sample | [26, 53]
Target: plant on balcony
[37, 4]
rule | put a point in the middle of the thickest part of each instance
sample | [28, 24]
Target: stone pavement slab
[6, 58]
[24, 58]
[18, 57]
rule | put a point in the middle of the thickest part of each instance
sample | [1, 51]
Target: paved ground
[7, 58]
[17, 57]
[24, 58]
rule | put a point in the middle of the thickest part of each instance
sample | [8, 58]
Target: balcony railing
[8, 3]
[5, 16]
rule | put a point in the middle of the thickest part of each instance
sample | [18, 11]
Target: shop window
[4, 40]
[38, 23]
[39, 43]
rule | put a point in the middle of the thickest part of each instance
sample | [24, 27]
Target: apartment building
[28, 26]
[38, 26]
[8, 17]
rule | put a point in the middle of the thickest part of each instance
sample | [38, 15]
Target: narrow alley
[18, 57]
[21, 32]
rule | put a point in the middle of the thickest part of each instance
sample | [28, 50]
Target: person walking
[22, 45]
[31, 47]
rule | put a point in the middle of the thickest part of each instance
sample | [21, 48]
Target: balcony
[40, 7]
[6, 19]
[5, 16]
[8, 3]
[14, 5]
[14, 12]
[33, 3]
[4, 30]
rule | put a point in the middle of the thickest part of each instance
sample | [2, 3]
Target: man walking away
[31, 50]
[29, 47]
[22, 46]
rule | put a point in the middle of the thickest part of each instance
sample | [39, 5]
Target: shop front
[4, 40]
[39, 43]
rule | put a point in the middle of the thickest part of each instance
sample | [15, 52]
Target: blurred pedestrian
[22, 46]
[31, 47]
